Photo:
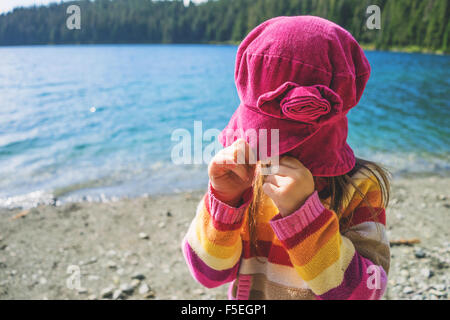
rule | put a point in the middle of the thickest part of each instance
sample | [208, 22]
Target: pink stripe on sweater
[356, 284]
[287, 227]
[363, 292]
[204, 274]
[244, 284]
[224, 213]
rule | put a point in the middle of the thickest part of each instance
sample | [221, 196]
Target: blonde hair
[339, 191]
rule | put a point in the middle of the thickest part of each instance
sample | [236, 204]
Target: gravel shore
[130, 249]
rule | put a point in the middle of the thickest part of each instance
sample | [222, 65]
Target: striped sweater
[305, 255]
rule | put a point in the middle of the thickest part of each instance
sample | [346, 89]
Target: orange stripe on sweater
[372, 197]
[305, 250]
[221, 238]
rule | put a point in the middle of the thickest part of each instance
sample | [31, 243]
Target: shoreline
[130, 248]
[59, 198]
[366, 47]
[405, 49]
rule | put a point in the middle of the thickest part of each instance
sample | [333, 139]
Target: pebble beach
[130, 248]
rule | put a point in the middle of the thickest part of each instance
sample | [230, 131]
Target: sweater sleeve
[212, 246]
[351, 265]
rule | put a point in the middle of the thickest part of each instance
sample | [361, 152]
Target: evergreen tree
[421, 23]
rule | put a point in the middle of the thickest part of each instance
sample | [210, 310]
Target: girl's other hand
[231, 172]
[290, 187]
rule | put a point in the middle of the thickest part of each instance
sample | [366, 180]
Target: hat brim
[322, 149]
[252, 126]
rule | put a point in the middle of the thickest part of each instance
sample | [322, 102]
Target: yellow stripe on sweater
[309, 247]
[215, 249]
[371, 190]
[333, 276]
[325, 257]
[212, 261]
[221, 238]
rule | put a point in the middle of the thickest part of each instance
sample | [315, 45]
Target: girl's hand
[230, 172]
[290, 187]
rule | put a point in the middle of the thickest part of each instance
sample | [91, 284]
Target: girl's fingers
[285, 171]
[243, 154]
[270, 189]
[238, 158]
[223, 168]
[224, 158]
[241, 171]
[273, 179]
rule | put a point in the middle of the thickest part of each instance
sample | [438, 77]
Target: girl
[315, 229]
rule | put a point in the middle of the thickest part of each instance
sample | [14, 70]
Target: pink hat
[300, 75]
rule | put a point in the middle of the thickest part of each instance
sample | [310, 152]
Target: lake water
[95, 122]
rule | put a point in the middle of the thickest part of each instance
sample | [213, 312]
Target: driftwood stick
[20, 215]
[404, 242]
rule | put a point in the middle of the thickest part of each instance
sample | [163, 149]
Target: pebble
[143, 236]
[413, 281]
[107, 292]
[117, 294]
[169, 214]
[408, 290]
[111, 253]
[120, 271]
[198, 292]
[437, 293]
[427, 273]
[111, 265]
[419, 253]
[143, 289]
[127, 288]
[440, 287]
[138, 276]
[82, 291]
[404, 273]
[162, 225]
[401, 280]
[92, 277]
[135, 283]
[92, 297]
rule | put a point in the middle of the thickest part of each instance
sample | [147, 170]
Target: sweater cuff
[287, 227]
[225, 213]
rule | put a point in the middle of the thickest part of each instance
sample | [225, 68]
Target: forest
[419, 24]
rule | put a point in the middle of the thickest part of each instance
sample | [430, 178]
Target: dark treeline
[404, 23]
